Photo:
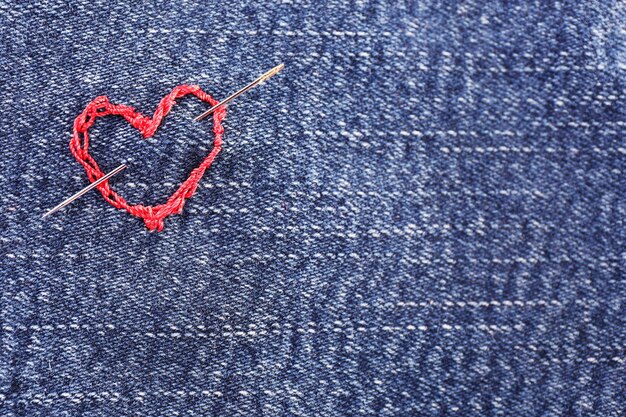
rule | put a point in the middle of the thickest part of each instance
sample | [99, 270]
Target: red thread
[153, 216]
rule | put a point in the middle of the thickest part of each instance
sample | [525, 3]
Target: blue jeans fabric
[423, 215]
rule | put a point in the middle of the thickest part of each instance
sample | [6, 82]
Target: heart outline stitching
[153, 216]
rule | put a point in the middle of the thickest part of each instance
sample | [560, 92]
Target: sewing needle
[85, 190]
[250, 86]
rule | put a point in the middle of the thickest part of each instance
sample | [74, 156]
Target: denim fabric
[422, 215]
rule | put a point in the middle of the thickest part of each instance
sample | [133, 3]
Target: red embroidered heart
[153, 216]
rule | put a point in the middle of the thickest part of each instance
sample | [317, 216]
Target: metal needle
[85, 190]
[250, 86]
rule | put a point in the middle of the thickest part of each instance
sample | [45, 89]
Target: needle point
[250, 86]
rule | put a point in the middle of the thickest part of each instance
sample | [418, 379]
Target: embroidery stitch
[153, 216]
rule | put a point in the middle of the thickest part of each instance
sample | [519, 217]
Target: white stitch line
[407, 230]
[253, 330]
[355, 139]
[526, 149]
[314, 195]
[359, 134]
[288, 33]
[492, 303]
[264, 257]
[474, 133]
[421, 59]
[274, 328]
[356, 33]
[199, 393]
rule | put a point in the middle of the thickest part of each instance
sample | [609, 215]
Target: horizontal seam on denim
[410, 229]
[289, 33]
[254, 329]
[314, 194]
[480, 67]
[450, 260]
[526, 70]
[530, 122]
[364, 133]
[445, 305]
[448, 133]
[526, 149]
[140, 396]
[356, 330]
[472, 63]
[342, 189]
[239, 330]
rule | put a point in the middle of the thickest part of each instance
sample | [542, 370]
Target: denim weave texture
[422, 215]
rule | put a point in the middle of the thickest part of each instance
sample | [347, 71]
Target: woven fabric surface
[422, 215]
